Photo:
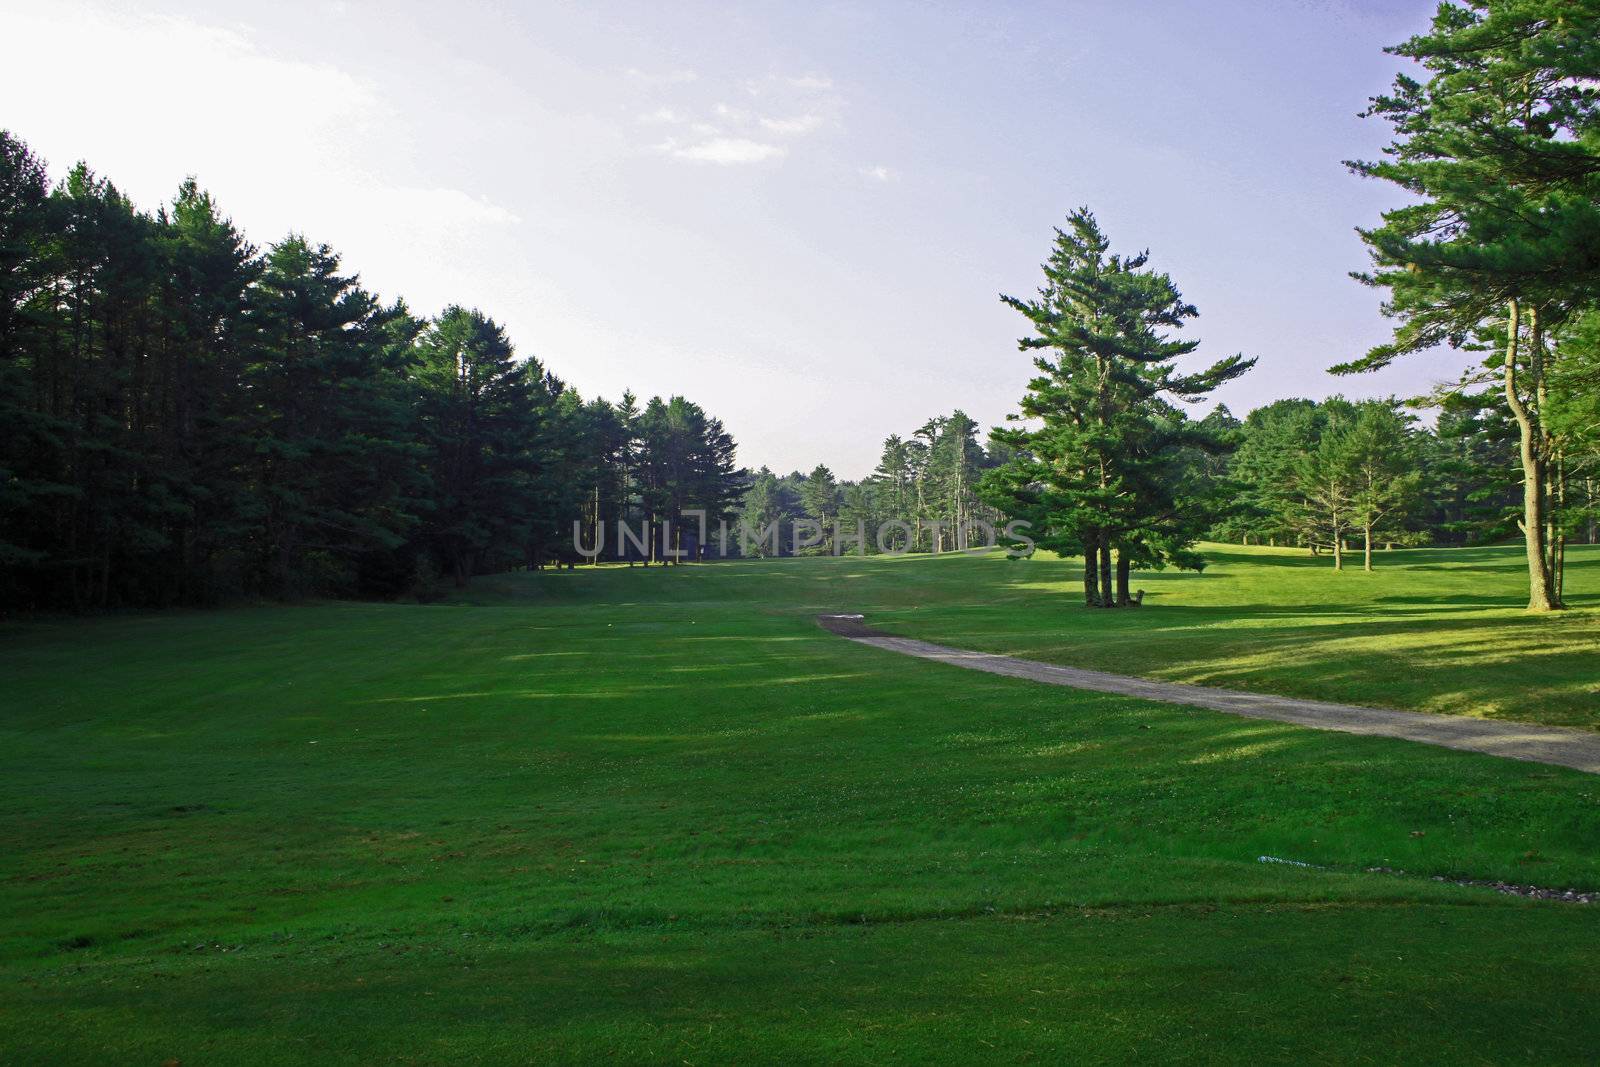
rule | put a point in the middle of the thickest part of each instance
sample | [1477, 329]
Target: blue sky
[799, 215]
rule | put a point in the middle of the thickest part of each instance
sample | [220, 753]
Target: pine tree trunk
[1366, 548]
[1594, 520]
[1338, 550]
[1541, 589]
[1091, 573]
[1124, 570]
[1107, 596]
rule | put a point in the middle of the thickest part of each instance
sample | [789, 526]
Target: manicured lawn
[1440, 630]
[659, 815]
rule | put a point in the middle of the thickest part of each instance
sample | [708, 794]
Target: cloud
[879, 173]
[730, 134]
[725, 150]
[795, 125]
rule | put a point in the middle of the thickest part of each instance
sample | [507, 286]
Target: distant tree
[1271, 440]
[762, 510]
[34, 486]
[1381, 454]
[819, 497]
[1472, 494]
[894, 476]
[1323, 505]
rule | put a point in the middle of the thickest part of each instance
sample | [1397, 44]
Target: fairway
[658, 815]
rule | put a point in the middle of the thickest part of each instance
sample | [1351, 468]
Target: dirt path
[1539, 744]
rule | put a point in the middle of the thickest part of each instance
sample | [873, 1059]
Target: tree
[763, 509]
[1087, 477]
[1500, 150]
[1325, 492]
[482, 415]
[1472, 493]
[1270, 440]
[894, 475]
[1382, 460]
[334, 472]
[819, 497]
[31, 430]
[183, 419]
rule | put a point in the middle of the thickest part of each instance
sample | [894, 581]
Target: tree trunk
[1594, 519]
[1124, 569]
[1541, 589]
[1338, 550]
[1091, 573]
[1366, 548]
[1107, 596]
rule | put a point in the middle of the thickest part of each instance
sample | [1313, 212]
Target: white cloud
[725, 150]
[730, 134]
[797, 124]
[879, 173]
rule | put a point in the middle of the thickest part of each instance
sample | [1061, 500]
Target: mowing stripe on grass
[1537, 744]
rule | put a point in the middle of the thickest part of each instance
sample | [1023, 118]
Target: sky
[800, 216]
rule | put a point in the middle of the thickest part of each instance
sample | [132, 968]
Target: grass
[660, 816]
[1439, 630]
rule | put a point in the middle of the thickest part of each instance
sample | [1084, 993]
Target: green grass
[1440, 630]
[659, 815]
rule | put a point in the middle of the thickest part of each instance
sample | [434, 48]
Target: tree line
[1337, 472]
[186, 418]
[925, 485]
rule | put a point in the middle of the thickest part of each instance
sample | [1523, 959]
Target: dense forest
[185, 418]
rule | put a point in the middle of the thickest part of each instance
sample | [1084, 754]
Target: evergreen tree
[482, 414]
[819, 498]
[1381, 456]
[1500, 152]
[1085, 478]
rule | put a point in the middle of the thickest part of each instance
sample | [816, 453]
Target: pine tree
[1500, 152]
[1381, 455]
[480, 412]
[1084, 479]
[819, 498]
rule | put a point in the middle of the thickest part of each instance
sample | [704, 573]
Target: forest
[188, 419]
